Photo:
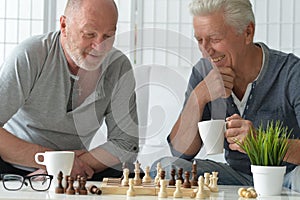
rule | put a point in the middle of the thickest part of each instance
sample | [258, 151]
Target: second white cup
[212, 135]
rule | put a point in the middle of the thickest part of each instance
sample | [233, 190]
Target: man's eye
[199, 41]
[215, 40]
[89, 35]
[107, 36]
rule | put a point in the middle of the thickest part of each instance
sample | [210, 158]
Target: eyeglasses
[38, 182]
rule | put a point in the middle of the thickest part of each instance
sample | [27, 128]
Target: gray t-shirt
[35, 85]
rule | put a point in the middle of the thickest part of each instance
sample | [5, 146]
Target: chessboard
[201, 187]
[113, 186]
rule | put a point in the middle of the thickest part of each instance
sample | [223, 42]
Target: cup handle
[36, 158]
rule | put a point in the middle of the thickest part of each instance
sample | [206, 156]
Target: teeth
[217, 59]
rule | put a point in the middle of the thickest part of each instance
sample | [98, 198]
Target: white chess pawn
[201, 194]
[147, 178]
[125, 180]
[163, 189]
[131, 191]
[178, 193]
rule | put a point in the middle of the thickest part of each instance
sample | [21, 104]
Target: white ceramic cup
[212, 135]
[56, 161]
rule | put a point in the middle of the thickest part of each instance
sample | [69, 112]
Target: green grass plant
[267, 147]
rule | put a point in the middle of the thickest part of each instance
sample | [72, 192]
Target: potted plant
[266, 149]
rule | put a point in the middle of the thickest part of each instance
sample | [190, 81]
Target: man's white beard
[80, 61]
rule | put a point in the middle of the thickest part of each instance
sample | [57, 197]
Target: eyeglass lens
[12, 182]
[37, 182]
[40, 182]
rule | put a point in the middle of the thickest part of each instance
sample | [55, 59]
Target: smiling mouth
[217, 59]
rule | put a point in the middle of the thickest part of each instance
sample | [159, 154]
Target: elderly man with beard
[58, 88]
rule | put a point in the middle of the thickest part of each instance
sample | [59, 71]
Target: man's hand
[80, 167]
[219, 83]
[237, 129]
[38, 171]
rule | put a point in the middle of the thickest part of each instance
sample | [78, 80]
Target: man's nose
[99, 44]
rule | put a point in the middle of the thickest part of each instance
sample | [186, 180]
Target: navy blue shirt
[275, 95]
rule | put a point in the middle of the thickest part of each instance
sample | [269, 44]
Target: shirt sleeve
[17, 75]
[199, 71]
[121, 118]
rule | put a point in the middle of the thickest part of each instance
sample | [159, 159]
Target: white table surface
[225, 193]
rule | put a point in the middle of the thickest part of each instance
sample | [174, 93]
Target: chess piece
[78, 184]
[194, 181]
[206, 178]
[94, 190]
[187, 183]
[130, 192]
[70, 190]
[172, 180]
[137, 179]
[147, 178]
[124, 166]
[66, 182]
[162, 176]
[82, 188]
[179, 175]
[163, 189]
[60, 189]
[158, 169]
[178, 193]
[210, 181]
[214, 180]
[201, 194]
[125, 180]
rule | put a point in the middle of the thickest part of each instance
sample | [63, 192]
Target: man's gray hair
[237, 13]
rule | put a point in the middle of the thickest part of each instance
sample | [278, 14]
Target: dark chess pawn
[179, 175]
[78, 184]
[59, 189]
[70, 190]
[95, 190]
[172, 181]
[82, 189]
[187, 183]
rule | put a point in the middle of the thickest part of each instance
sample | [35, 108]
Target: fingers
[82, 169]
[237, 130]
[219, 82]
[234, 117]
[39, 171]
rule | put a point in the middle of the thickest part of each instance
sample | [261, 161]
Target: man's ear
[249, 33]
[63, 24]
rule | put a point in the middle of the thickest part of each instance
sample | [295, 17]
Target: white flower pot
[268, 180]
